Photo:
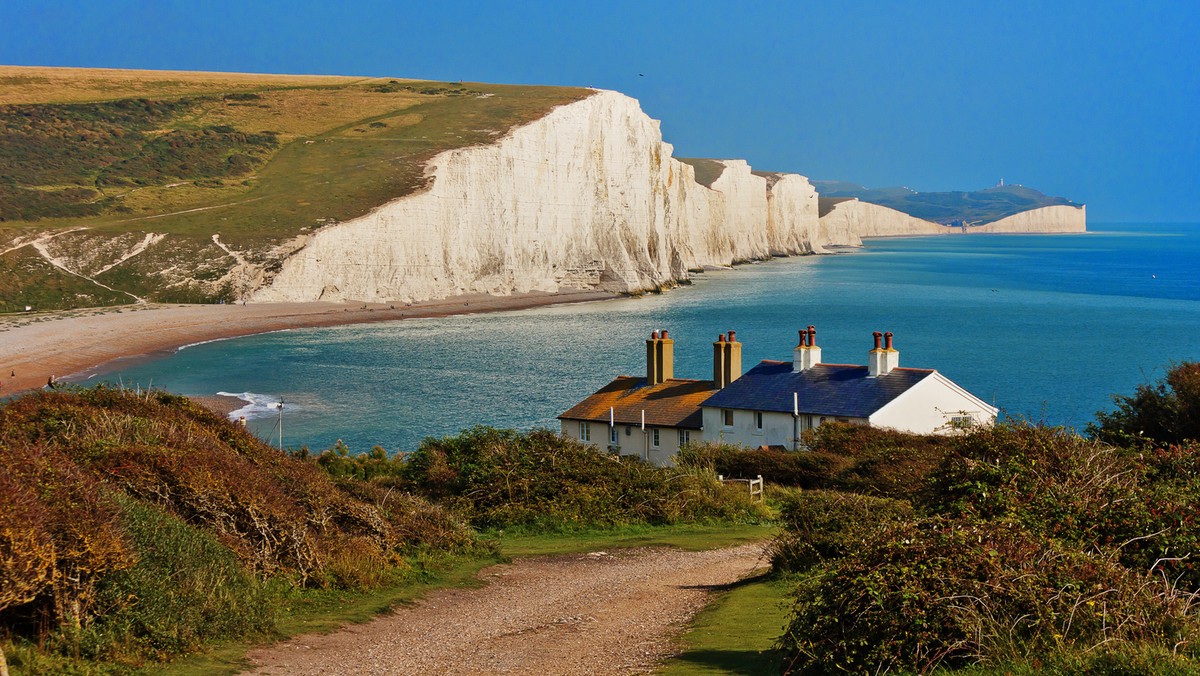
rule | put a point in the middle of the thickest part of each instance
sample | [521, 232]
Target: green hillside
[950, 208]
[256, 159]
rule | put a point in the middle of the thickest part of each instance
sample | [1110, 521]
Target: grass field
[258, 159]
[735, 634]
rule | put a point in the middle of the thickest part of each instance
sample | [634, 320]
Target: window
[758, 425]
[727, 417]
[654, 437]
[684, 437]
[585, 431]
[962, 421]
[612, 436]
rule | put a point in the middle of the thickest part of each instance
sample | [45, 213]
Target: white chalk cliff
[848, 222]
[1058, 218]
[588, 196]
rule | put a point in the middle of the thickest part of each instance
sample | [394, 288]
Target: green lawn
[734, 635]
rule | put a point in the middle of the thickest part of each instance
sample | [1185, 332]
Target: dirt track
[598, 613]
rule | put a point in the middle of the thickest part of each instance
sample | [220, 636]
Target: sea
[1045, 327]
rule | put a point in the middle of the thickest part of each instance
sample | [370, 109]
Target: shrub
[821, 526]
[72, 529]
[145, 525]
[1047, 479]
[502, 478]
[943, 593]
[838, 457]
[186, 589]
[1165, 412]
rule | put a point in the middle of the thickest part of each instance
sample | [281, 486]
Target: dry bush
[73, 532]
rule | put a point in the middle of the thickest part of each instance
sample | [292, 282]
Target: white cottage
[772, 404]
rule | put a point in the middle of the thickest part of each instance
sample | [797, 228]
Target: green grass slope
[255, 159]
[950, 208]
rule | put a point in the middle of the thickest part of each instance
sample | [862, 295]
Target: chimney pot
[887, 340]
[654, 335]
[664, 334]
[803, 338]
[878, 337]
[721, 338]
[732, 336]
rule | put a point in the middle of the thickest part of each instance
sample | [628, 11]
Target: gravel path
[598, 613]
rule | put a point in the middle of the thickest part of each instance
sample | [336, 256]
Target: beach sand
[39, 346]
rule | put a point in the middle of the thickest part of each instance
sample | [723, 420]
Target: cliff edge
[587, 197]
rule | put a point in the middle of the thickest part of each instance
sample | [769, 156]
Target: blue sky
[1095, 101]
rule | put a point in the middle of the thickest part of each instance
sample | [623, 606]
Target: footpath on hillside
[613, 612]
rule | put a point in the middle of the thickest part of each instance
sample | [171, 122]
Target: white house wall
[777, 428]
[631, 440]
[928, 406]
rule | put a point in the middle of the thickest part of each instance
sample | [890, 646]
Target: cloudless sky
[1095, 101]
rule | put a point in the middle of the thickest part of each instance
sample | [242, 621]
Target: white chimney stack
[882, 359]
[800, 353]
[807, 354]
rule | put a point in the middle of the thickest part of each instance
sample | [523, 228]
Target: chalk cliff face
[1046, 219]
[589, 196]
[850, 221]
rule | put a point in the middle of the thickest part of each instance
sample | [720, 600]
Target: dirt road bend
[616, 612]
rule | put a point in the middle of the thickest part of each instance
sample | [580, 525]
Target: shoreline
[38, 347]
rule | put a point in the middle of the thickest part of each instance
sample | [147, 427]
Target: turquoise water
[1044, 326]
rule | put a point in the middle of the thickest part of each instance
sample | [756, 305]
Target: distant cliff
[849, 221]
[1045, 219]
[957, 207]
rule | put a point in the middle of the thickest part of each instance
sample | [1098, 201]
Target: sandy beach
[36, 347]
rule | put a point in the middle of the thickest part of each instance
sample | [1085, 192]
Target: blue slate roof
[825, 389]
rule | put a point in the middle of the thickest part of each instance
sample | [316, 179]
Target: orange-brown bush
[69, 455]
[69, 525]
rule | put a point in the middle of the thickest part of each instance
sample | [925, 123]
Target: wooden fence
[755, 485]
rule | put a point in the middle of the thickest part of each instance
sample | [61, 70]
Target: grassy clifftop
[255, 159]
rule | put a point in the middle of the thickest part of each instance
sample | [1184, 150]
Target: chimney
[882, 359]
[733, 358]
[814, 351]
[807, 354]
[666, 357]
[660, 358]
[652, 359]
[719, 381]
[800, 353]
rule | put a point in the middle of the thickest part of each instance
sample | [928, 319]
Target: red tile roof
[674, 403]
